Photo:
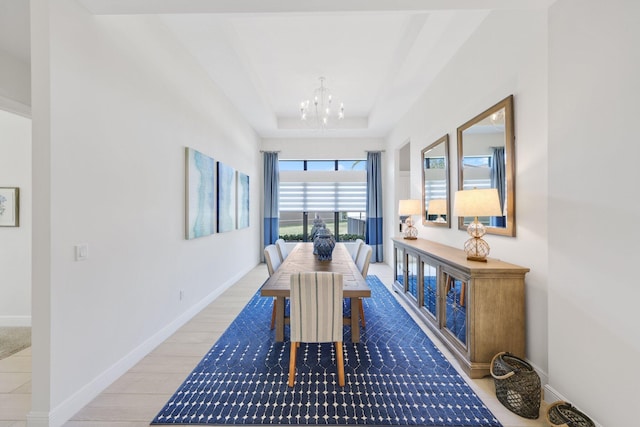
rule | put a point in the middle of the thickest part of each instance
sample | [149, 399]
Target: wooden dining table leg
[280, 301]
[355, 319]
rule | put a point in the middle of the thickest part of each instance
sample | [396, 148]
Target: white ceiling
[375, 63]
[377, 56]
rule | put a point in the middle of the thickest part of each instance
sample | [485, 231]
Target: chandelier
[318, 111]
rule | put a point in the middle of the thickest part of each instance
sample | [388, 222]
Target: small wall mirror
[435, 184]
[486, 159]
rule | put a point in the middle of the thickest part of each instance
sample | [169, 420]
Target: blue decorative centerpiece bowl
[318, 223]
[323, 244]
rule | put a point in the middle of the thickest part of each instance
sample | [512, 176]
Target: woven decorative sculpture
[563, 414]
[518, 386]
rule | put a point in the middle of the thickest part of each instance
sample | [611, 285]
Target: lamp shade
[437, 207]
[409, 207]
[477, 202]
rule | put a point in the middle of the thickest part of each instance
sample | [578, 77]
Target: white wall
[15, 85]
[506, 55]
[116, 100]
[594, 343]
[15, 242]
[322, 148]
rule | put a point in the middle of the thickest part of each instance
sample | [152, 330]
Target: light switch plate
[82, 252]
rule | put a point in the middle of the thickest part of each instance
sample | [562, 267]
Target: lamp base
[410, 232]
[476, 249]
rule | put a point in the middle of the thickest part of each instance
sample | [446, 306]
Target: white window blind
[323, 196]
[435, 189]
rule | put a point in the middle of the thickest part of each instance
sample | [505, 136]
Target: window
[434, 188]
[352, 165]
[477, 172]
[477, 175]
[476, 162]
[291, 165]
[321, 165]
[334, 190]
[434, 163]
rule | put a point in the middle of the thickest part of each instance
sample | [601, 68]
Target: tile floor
[136, 397]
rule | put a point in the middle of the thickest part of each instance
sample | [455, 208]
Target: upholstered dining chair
[272, 258]
[357, 246]
[282, 249]
[316, 315]
[362, 262]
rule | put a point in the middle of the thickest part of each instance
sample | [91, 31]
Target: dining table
[302, 259]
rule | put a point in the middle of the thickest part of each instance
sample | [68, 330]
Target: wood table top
[302, 259]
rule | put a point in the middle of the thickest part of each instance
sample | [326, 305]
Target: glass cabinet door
[430, 288]
[412, 275]
[455, 320]
[399, 270]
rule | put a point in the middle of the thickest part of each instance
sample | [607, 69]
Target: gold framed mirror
[435, 184]
[486, 159]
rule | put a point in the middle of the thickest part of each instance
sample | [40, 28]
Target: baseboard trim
[13, 321]
[552, 395]
[15, 107]
[38, 419]
[67, 409]
[44, 419]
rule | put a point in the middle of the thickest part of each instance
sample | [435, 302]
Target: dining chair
[282, 249]
[362, 262]
[272, 258]
[356, 249]
[316, 315]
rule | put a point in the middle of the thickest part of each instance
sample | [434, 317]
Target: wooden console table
[477, 309]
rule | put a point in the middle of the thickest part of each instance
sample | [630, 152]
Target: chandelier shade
[318, 112]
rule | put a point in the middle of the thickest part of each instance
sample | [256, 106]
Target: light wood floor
[135, 398]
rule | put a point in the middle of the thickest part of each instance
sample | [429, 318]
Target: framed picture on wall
[243, 200]
[226, 198]
[200, 192]
[9, 206]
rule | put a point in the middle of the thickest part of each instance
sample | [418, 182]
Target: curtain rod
[366, 151]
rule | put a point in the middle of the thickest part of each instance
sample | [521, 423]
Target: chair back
[272, 258]
[356, 249]
[364, 257]
[316, 307]
[282, 249]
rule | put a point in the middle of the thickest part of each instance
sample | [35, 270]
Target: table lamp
[408, 208]
[437, 207]
[475, 203]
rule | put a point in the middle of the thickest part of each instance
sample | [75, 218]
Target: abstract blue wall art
[226, 198]
[243, 200]
[200, 194]
[9, 206]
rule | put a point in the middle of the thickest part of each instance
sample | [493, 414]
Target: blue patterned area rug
[394, 376]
